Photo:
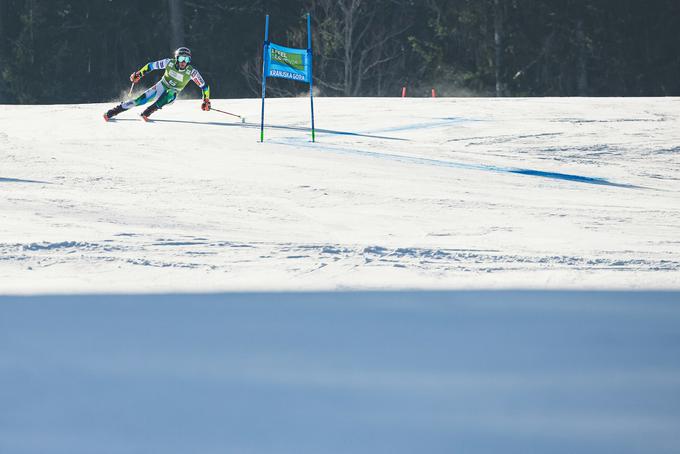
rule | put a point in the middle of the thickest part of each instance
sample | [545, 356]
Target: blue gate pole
[311, 72]
[265, 50]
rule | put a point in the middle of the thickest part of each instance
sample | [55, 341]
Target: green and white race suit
[174, 81]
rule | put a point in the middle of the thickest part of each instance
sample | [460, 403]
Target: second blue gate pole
[311, 71]
[265, 50]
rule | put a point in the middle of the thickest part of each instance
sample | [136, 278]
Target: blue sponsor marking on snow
[456, 165]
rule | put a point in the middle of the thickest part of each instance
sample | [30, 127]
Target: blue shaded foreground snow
[402, 372]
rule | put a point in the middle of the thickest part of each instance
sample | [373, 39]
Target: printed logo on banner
[295, 61]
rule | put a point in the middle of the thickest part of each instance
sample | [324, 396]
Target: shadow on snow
[286, 128]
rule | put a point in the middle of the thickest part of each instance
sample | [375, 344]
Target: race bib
[175, 75]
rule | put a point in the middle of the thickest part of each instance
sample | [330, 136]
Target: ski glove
[206, 105]
[135, 77]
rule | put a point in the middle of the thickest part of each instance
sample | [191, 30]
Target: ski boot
[113, 112]
[149, 110]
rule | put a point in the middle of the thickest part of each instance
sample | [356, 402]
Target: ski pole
[243, 119]
[131, 87]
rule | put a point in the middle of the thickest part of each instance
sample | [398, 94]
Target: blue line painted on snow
[568, 177]
[17, 180]
[456, 165]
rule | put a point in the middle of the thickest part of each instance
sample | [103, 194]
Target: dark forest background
[60, 51]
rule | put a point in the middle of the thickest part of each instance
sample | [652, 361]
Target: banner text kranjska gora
[286, 75]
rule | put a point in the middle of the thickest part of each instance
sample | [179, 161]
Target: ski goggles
[183, 59]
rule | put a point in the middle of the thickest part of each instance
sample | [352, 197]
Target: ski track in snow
[418, 193]
[299, 260]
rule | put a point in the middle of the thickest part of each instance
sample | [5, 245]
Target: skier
[177, 75]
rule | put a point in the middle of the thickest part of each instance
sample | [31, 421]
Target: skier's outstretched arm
[205, 88]
[151, 66]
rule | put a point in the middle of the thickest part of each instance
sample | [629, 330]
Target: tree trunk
[176, 23]
[582, 60]
[2, 31]
[499, 44]
[3, 52]
[348, 10]
[31, 33]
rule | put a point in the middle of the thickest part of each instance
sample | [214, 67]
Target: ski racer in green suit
[178, 73]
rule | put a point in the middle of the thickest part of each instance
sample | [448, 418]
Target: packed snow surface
[395, 193]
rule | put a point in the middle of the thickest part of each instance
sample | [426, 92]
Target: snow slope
[414, 193]
[396, 193]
